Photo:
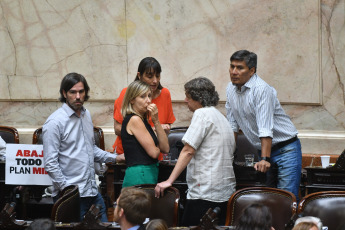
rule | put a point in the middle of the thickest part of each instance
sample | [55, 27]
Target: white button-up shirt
[210, 174]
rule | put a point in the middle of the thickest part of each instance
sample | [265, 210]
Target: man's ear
[252, 71]
[121, 212]
[64, 93]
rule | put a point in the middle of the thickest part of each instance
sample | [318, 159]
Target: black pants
[196, 209]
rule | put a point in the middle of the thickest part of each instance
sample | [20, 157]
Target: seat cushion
[331, 210]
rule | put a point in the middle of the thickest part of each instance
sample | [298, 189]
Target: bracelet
[268, 159]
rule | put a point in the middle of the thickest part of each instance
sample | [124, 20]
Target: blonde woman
[149, 71]
[141, 144]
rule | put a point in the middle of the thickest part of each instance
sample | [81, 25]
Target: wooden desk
[323, 179]
[248, 176]
[108, 225]
[165, 168]
[27, 199]
[61, 226]
[245, 177]
[6, 191]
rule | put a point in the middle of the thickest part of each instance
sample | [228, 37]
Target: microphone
[216, 210]
[210, 220]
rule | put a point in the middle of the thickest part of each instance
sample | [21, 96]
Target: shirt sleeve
[229, 114]
[51, 140]
[117, 106]
[264, 109]
[102, 156]
[2, 147]
[197, 131]
[170, 114]
[164, 105]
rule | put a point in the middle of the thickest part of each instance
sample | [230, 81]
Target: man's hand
[160, 187]
[262, 166]
[166, 128]
[120, 158]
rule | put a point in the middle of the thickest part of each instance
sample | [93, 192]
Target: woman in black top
[141, 144]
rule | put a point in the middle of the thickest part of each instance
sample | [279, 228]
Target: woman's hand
[152, 108]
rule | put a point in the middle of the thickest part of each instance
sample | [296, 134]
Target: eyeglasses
[114, 205]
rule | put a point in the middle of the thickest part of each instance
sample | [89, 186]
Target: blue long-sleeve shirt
[70, 152]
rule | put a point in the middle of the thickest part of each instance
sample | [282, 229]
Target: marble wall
[300, 46]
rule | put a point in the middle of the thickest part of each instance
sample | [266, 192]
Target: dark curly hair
[202, 90]
[255, 217]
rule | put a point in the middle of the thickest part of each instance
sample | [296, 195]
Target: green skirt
[141, 174]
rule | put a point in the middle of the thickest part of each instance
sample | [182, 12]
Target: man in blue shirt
[69, 145]
[252, 106]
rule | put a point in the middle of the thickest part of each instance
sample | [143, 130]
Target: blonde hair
[135, 89]
[305, 226]
[310, 219]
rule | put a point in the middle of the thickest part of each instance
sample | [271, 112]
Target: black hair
[255, 217]
[69, 81]
[249, 58]
[149, 64]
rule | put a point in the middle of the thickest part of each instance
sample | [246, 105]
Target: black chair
[329, 206]
[37, 138]
[281, 203]
[175, 141]
[243, 146]
[8, 218]
[99, 137]
[9, 134]
[67, 208]
[165, 207]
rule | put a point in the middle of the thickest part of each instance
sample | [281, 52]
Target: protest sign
[25, 165]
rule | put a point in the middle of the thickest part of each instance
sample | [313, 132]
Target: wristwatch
[268, 159]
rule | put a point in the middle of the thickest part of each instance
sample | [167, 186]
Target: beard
[76, 107]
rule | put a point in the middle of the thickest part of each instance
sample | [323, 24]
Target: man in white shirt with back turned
[208, 150]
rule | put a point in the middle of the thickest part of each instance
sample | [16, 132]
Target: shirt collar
[134, 227]
[250, 83]
[70, 111]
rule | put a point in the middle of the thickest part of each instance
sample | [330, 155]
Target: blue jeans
[87, 202]
[286, 166]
